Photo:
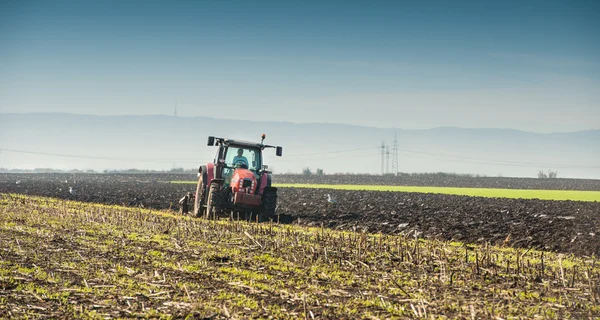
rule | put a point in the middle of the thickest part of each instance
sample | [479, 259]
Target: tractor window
[249, 156]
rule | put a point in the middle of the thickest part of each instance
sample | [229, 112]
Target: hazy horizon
[67, 141]
[294, 122]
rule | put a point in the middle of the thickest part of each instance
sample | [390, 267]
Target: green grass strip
[574, 195]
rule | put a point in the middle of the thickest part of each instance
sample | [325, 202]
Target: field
[561, 226]
[65, 259]
[574, 195]
[116, 247]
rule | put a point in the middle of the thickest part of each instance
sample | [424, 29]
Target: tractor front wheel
[199, 200]
[213, 201]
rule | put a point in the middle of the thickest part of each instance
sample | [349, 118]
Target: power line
[330, 157]
[479, 162]
[449, 157]
[525, 165]
[395, 167]
[171, 161]
[407, 153]
[382, 152]
[97, 158]
[499, 162]
[328, 152]
[434, 155]
[387, 156]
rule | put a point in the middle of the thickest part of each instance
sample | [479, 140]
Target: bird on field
[18, 181]
[71, 191]
[331, 202]
[330, 199]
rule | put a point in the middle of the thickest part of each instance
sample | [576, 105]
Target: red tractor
[237, 184]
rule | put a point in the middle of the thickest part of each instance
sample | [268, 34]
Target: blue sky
[529, 65]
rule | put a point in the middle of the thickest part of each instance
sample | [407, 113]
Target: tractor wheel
[248, 216]
[213, 201]
[199, 200]
[242, 215]
[269, 204]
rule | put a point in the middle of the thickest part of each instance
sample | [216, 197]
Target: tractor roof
[240, 143]
[243, 143]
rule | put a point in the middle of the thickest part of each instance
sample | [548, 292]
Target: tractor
[236, 184]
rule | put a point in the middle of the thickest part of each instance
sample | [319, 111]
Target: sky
[527, 65]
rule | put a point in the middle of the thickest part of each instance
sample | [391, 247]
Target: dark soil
[562, 226]
[445, 180]
[145, 190]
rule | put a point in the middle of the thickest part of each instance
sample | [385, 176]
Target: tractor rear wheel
[213, 201]
[269, 204]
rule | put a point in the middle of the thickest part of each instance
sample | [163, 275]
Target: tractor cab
[240, 158]
[236, 181]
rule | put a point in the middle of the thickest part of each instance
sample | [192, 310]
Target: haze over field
[522, 76]
[161, 142]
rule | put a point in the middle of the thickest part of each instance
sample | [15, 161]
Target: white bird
[18, 181]
[71, 191]
[330, 199]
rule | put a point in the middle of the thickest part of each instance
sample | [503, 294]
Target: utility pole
[382, 152]
[395, 168]
[387, 156]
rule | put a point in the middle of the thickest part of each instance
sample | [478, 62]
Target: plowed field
[561, 226]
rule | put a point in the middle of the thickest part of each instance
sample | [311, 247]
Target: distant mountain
[161, 142]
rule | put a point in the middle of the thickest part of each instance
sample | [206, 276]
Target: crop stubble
[72, 259]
